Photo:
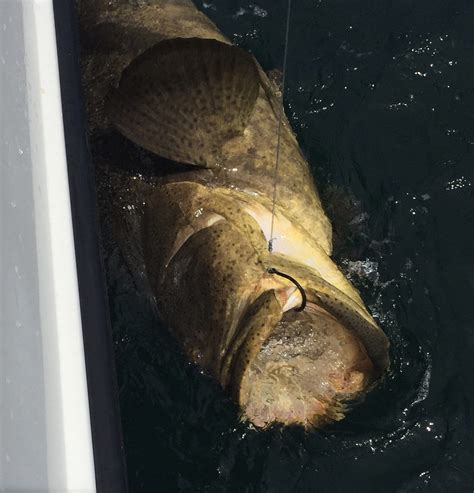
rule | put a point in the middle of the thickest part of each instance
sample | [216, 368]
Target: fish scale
[206, 227]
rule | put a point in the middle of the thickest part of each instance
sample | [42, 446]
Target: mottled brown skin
[205, 237]
[114, 33]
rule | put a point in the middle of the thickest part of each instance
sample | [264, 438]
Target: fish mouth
[301, 368]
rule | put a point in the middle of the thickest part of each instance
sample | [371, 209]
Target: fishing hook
[300, 288]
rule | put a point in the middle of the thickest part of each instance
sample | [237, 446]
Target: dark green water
[381, 95]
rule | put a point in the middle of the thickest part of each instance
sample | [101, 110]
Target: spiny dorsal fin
[185, 97]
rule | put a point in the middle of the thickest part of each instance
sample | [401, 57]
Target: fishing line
[280, 122]
[272, 270]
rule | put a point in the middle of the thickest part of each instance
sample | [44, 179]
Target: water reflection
[380, 95]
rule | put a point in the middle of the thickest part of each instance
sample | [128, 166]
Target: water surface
[381, 95]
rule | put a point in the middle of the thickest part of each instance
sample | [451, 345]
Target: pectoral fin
[184, 98]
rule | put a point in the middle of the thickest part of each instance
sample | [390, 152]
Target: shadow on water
[381, 95]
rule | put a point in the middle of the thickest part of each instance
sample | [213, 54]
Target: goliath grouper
[283, 331]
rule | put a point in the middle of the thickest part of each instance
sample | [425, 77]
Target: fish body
[283, 331]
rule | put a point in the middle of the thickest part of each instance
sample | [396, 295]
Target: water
[381, 97]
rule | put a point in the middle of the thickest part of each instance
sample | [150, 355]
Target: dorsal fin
[185, 97]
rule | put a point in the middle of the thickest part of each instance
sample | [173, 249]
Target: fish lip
[350, 311]
[231, 371]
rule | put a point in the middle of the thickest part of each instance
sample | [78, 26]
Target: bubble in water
[364, 269]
